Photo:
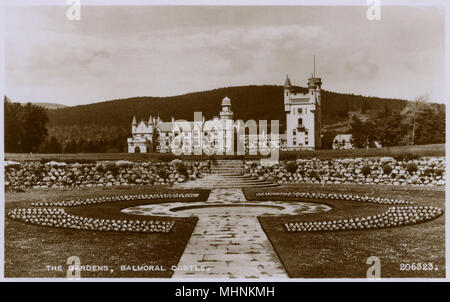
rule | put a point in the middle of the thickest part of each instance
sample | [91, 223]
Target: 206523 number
[418, 266]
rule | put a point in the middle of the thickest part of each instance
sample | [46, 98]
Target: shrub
[428, 172]
[113, 168]
[12, 166]
[253, 165]
[124, 164]
[162, 173]
[44, 160]
[288, 156]
[366, 170]
[181, 168]
[439, 172]
[387, 168]
[406, 157]
[291, 167]
[166, 157]
[411, 168]
[315, 175]
[410, 156]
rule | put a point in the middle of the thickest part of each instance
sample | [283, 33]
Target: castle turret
[287, 92]
[133, 125]
[226, 113]
[314, 87]
[287, 83]
[150, 125]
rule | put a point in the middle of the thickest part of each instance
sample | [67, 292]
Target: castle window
[300, 122]
[306, 132]
[294, 141]
[294, 131]
[299, 110]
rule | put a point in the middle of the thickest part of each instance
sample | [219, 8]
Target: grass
[418, 150]
[29, 248]
[344, 254]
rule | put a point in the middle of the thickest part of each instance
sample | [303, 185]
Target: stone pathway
[230, 194]
[228, 241]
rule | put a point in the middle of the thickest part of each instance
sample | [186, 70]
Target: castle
[303, 128]
[303, 116]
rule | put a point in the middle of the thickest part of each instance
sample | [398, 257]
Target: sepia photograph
[209, 140]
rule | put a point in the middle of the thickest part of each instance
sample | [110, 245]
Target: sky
[126, 51]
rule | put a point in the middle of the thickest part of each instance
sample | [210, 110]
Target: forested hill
[248, 102]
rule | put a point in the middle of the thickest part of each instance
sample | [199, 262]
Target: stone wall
[119, 173]
[427, 171]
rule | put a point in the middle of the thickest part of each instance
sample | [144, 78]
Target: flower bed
[427, 171]
[96, 200]
[394, 217]
[372, 199]
[119, 173]
[58, 218]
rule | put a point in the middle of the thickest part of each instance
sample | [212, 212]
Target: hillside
[248, 102]
[51, 105]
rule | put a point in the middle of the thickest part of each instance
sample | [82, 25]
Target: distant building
[221, 134]
[303, 128]
[342, 141]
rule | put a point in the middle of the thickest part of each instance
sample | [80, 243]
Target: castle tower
[226, 113]
[314, 88]
[303, 115]
[133, 125]
[287, 91]
[226, 116]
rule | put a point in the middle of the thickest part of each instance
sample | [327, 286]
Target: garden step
[226, 174]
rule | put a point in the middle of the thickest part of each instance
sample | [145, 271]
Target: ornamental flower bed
[58, 218]
[427, 171]
[96, 200]
[394, 217]
[120, 173]
[335, 196]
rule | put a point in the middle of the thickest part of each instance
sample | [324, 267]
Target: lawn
[344, 254]
[29, 249]
[418, 150]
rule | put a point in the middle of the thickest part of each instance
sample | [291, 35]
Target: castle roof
[134, 121]
[226, 101]
[287, 83]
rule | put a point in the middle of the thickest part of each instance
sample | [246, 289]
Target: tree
[411, 111]
[430, 125]
[35, 119]
[25, 126]
[51, 145]
[71, 146]
[390, 130]
[13, 130]
[363, 133]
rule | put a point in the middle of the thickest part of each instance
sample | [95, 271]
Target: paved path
[228, 241]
